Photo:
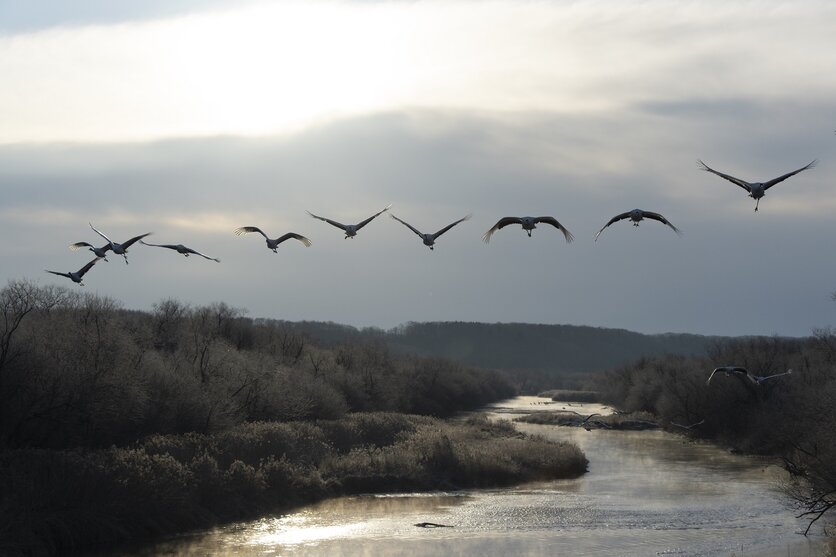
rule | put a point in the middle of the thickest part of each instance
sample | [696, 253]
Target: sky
[190, 118]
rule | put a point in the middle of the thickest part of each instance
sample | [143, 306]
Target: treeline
[78, 370]
[791, 417]
[537, 356]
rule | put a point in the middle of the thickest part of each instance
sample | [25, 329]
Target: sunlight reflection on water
[278, 534]
[646, 493]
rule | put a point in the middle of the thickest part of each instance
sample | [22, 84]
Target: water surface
[646, 493]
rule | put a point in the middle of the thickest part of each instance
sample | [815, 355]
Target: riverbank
[698, 500]
[781, 408]
[119, 425]
[635, 421]
[68, 500]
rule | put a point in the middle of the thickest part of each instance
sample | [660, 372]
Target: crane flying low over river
[743, 373]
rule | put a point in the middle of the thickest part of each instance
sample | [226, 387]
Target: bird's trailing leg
[126, 258]
[756, 204]
[529, 233]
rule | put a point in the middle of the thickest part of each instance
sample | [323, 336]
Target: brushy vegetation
[58, 500]
[792, 417]
[122, 425]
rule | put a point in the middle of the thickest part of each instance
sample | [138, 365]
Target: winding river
[646, 493]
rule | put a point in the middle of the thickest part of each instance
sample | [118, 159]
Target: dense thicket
[78, 370]
[792, 417]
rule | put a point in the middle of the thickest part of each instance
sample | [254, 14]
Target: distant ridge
[549, 349]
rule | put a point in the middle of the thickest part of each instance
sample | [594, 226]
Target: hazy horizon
[190, 119]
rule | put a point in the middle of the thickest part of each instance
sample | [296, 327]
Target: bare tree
[17, 300]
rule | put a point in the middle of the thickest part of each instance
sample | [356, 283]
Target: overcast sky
[192, 118]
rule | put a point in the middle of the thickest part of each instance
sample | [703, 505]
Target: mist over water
[646, 493]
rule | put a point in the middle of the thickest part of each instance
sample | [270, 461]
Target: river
[646, 493]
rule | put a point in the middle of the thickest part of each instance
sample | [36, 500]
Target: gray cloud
[733, 271]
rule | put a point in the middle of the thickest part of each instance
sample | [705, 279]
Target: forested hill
[556, 348]
[549, 349]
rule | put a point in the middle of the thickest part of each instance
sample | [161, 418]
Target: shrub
[251, 443]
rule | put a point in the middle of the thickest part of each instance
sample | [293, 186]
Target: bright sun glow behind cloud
[279, 67]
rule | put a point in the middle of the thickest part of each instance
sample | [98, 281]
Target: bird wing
[736, 369]
[248, 229]
[78, 245]
[57, 273]
[772, 182]
[190, 250]
[368, 220]
[733, 369]
[501, 223]
[109, 241]
[740, 372]
[130, 242]
[295, 236]
[660, 218]
[329, 221]
[752, 379]
[449, 226]
[406, 224]
[761, 378]
[552, 221]
[612, 220]
[169, 246]
[742, 183]
[87, 267]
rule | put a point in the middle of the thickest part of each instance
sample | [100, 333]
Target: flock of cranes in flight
[756, 191]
